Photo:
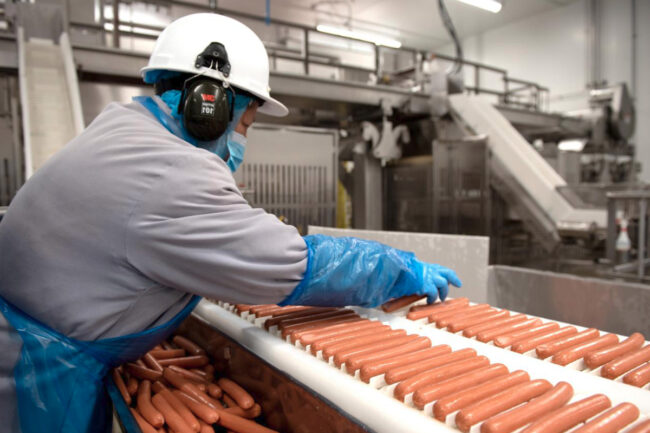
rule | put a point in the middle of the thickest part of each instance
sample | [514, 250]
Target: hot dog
[172, 418]
[573, 353]
[626, 363]
[283, 324]
[142, 372]
[438, 374]
[599, 357]
[296, 314]
[638, 377]
[325, 325]
[526, 345]
[515, 337]
[443, 320]
[200, 396]
[119, 382]
[142, 423]
[318, 324]
[611, 421]
[418, 312]
[397, 303]
[158, 386]
[330, 350]
[194, 377]
[569, 416]
[199, 373]
[152, 362]
[182, 409]
[145, 407]
[239, 394]
[275, 311]
[459, 325]
[309, 337]
[241, 308]
[186, 361]
[534, 409]
[355, 362]
[166, 354]
[433, 392]
[255, 308]
[500, 402]
[190, 347]
[251, 413]
[466, 397]
[132, 385]
[240, 425]
[551, 348]
[214, 390]
[400, 373]
[493, 324]
[205, 428]
[342, 356]
[492, 334]
[322, 344]
[175, 378]
[380, 366]
[230, 403]
[202, 411]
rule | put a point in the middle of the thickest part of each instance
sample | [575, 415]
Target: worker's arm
[351, 271]
[194, 232]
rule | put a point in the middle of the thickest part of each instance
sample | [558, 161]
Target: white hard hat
[183, 40]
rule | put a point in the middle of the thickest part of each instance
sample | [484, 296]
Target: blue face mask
[236, 147]
[229, 147]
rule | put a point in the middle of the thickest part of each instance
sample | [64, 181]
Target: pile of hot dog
[562, 344]
[457, 384]
[173, 389]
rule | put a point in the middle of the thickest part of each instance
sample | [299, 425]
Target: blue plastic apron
[60, 381]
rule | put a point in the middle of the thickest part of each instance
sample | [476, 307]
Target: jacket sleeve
[195, 232]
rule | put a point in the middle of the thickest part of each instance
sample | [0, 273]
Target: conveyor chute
[49, 90]
[522, 176]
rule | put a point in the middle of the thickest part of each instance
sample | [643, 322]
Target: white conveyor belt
[373, 404]
[49, 96]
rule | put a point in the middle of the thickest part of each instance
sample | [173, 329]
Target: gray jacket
[117, 230]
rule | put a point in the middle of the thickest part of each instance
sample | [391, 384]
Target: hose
[449, 25]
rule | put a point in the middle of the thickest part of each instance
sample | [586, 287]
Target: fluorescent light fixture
[493, 6]
[361, 36]
[572, 145]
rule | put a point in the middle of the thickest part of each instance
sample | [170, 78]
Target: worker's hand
[351, 271]
[436, 281]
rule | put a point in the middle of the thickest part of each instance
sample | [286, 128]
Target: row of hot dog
[174, 388]
[460, 385]
[563, 345]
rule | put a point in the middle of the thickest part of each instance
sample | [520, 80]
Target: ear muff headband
[207, 107]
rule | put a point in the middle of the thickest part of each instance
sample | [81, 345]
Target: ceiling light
[493, 6]
[576, 145]
[361, 36]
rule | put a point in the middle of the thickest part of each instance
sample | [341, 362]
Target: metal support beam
[643, 207]
[367, 211]
[116, 23]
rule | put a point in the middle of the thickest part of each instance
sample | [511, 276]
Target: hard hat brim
[273, 107]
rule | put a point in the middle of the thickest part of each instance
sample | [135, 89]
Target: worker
[112, 242]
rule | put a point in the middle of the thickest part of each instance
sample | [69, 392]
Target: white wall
[555, 49]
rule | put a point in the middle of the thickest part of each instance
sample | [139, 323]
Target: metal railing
[511, 91]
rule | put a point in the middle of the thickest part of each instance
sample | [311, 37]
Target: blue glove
[351, 271]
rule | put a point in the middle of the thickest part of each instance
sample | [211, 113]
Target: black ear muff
[206, 109]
